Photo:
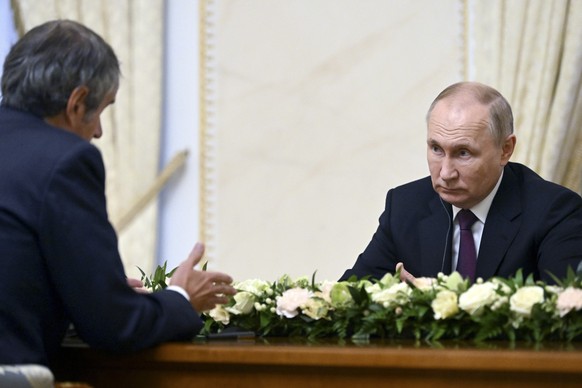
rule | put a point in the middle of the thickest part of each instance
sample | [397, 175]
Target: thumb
[195, 255]
[405, 276]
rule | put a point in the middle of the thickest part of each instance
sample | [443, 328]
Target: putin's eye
[464, 153]
[436, 149]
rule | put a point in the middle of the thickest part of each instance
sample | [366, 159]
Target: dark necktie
[467, 262]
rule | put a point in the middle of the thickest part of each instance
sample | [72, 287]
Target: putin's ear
[76, 109]
[507, 149]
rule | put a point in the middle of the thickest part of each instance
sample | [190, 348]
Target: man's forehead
[462, 100]
[451, 111]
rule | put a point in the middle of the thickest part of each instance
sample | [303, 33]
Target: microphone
[449, 217]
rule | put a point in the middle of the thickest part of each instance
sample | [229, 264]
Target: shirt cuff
[179, 290]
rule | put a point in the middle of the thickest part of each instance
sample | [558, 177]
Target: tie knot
[466, 219]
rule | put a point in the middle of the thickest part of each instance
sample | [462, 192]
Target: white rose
[244, 303]
[444, 305]
[568, 300]
[219, 314]
[523, 300]
[290, 301]
[478, 296]
[397, 294]
[315, 308]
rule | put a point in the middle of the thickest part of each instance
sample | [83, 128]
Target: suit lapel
[501, 226]
[435, 239]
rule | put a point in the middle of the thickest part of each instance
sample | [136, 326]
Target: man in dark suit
[58, 251]
[520, 220]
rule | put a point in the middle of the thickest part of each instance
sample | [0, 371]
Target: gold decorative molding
[17, 14]
[205, 136]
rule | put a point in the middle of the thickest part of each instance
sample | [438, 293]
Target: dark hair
[500, 115]
[44, 67]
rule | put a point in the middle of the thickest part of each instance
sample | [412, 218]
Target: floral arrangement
[430, 309]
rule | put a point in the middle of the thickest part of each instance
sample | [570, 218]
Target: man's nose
[98, 131]
[448, 169]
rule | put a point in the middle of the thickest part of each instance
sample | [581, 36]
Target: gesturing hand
[137, 285]
[206, 289]
[405, 276]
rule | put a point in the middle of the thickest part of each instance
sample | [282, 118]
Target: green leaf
[157, 281]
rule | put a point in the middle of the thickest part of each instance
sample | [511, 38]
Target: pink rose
[568, 300]
[290, 301]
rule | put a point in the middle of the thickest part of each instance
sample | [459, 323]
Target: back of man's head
[50, 61]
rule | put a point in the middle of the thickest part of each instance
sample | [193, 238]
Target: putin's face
[464, 159]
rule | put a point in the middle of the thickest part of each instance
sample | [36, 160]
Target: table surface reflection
[327, 362]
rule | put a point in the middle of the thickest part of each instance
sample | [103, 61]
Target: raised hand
[206, 289]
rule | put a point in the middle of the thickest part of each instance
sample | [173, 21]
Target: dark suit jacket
[532, 224]
[58, 253]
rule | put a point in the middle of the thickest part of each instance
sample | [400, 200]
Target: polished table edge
[556, 358]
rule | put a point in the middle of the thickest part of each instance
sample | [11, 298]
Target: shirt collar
[482, 208]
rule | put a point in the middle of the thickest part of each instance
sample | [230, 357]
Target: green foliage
[387, 308]
[157, 281]
[512, 309]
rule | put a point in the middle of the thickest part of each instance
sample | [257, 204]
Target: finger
[399, 266]
[196, 254]
[220, 300]
[135, 283]
[223, 289]
[142, 290]
[219, 277]
[405, 276]
[210, 303]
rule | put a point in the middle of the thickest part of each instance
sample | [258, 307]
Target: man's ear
[76, 109]
[507, 149]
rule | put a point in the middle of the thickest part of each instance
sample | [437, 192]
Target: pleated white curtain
[130, 144]
[531, 50]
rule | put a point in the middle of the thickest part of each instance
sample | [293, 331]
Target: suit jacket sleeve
[533, 225]
[560, 246]
[82, 258]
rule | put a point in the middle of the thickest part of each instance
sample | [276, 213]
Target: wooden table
[298, 363]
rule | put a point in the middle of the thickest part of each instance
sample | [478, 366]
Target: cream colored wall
[314, 109]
